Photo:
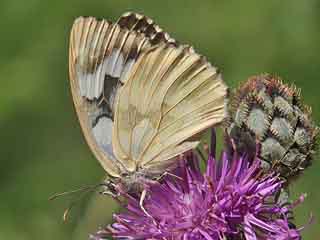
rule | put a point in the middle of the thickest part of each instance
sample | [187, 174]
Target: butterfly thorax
[137, 181]
[134, 182]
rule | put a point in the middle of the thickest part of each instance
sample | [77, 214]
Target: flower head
[231, 200]
[265, 109]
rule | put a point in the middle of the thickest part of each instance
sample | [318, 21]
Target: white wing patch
[103, 135]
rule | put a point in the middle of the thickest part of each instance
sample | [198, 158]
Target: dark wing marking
[143, 24]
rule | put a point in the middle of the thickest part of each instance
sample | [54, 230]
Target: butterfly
[140, 96]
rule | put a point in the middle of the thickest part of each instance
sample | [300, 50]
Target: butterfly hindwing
[171, 94]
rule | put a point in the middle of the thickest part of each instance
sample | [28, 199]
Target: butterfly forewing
[85, 76]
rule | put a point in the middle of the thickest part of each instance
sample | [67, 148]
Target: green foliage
[42, 149]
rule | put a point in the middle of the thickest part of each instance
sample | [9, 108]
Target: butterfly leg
[142, 198]
[109, 188]
[163, 175]
[109, 193]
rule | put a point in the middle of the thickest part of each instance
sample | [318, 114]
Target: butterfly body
[140, 96]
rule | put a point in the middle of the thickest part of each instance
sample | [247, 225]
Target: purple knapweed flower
[284, 231]
[231, 200]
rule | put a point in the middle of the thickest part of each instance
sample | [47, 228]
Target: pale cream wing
[170, 95]
[101, 53]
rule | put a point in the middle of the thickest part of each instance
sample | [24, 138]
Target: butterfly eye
[124, 175]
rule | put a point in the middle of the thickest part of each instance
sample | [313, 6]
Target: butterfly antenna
[74, 202]
[82, 189]
[83, 193]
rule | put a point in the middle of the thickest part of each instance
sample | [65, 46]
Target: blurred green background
[42, 149]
